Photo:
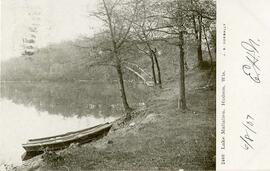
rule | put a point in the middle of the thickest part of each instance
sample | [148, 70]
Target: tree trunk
[198, 35]
[199, 41]
[151, 55]
[153, 67]
[208, 48]
[158, 68]
[182, 99]
[122, 88]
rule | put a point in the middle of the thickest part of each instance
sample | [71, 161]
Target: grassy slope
[163, 137]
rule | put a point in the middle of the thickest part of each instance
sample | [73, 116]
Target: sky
[57, 20]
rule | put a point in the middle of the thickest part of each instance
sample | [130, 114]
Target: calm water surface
[32, 110]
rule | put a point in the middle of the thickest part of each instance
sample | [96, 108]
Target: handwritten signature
[252, 54]
[248, 137]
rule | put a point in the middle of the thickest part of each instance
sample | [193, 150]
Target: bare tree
[177, 19]
[176, 23]
[172, 20]
[201, 10]
[146, 35]
[117, 28]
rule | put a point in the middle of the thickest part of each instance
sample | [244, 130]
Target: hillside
[158, 137]
[69, 61]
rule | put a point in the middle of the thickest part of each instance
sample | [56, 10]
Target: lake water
[32, 110]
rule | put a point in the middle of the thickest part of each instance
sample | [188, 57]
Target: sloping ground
[159, 137]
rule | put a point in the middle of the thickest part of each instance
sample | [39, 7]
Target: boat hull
[38, 146]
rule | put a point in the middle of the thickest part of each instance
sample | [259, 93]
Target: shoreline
[158, 137]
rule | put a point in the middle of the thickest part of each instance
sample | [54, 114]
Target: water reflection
[32, 110]
[70, 99]
[19, 123]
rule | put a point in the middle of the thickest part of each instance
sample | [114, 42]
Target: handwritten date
[248, 138]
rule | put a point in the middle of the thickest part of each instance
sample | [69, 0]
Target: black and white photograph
[108, 85]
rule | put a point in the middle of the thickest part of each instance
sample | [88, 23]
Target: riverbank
[158, 137]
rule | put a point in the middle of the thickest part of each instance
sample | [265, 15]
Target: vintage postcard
[134, 85]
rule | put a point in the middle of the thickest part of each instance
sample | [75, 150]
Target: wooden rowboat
[37, 146]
